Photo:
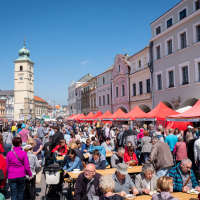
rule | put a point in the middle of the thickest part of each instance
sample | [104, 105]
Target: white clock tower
[23, 85]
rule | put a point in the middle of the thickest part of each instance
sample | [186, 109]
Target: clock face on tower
[21, 78]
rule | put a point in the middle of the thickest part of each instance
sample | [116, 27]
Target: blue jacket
[85, 147]
[101, 151]
[175, 173]
[77, 164]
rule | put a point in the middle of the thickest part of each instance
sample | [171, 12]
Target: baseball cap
[122, 168]
[189, 126]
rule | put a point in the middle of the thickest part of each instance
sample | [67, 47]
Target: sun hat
[122, 168]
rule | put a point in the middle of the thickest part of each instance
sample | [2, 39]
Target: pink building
[120, 83]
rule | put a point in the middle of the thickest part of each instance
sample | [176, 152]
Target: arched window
[21, 68]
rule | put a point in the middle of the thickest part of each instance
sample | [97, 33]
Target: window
[169, 23]
[158, 30]
[94, 85]
[159, 80]
[21, 78]
[117, 92]
[199, 70]
[20, 68]
[169, 47]
[198, 33]
[183, 40]
[158, 52]
[104, 102]
[134, 89]
[185, 75]
[197, 5]
[108, 99]
[99, 101]
[94, 102]
[103, 80]
[182, 14]
[148, 85]
[91, 102]
[171, 79]
[123, 90]
[139, 63]
[118, 68]
[141, 87]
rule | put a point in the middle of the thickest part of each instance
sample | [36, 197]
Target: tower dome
[24, 53]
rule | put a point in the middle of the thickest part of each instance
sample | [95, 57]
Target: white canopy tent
[181, 110]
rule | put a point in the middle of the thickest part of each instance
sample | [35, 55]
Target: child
[33, 161]
[47, 152]
[59, 150]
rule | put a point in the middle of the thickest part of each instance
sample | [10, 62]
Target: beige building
[2, 109]
[176, 55]
[41, 107]
[79, 91]
[140, 90]
[92, 97]
[23, 86]
[85, 99]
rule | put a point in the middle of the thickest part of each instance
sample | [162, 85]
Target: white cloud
[85, 62]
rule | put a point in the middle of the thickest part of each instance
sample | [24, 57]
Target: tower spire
[24, 40]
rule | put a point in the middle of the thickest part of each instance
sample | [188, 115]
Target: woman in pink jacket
[180, 150]
[17, 168]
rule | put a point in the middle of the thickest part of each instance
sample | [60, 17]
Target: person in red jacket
[59, 150]
[3, 167]
[130, 157]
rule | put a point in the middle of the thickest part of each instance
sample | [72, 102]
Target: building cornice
[194, 14]
[23, 61]
[139, 72]
[119, 76]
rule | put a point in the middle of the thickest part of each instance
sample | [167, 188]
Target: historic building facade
[72, 96]
[103, 91]
[79, 91]
[92, 98]
[120, 83]
[85, 99]
[2, 110]
[23, 85]
[176, 55]
[41, 107]
[140, 80]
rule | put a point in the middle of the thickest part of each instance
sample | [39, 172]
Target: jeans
[23, 145]
[146, 156]
[9, 147]
[163, 172]
[17, 188]
[30, 194]
[14, 133]
[42, 157]
[54, 158]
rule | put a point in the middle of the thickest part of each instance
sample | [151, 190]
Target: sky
[70, 38]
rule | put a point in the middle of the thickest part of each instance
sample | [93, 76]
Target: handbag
[2, 177]
[84, 164]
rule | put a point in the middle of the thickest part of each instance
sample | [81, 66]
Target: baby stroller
[54, 182]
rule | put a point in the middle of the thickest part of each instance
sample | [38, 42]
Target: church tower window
[21, 68]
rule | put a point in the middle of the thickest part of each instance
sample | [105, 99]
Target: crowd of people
[169, 159]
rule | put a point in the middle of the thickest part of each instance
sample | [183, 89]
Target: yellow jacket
[14, 128]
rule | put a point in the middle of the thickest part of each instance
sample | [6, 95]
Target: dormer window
[21, 68]
[118, 68]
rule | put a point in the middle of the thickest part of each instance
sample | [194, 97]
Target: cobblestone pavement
[40, 190]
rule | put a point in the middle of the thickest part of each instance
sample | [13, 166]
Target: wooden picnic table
[179, 195]
[135, 169]
[60, 158]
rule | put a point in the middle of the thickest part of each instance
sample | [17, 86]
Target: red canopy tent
[117, 114]
[105, 115]
[98, 114]
[89, 117]
[70, 117]
[81, 117]
[158, 113]
[136, 111]
[74, 117]
[191, 115]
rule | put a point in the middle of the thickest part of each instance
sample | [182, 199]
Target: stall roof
[158, 113]
[89, 117]
[98, 114]
[136, 111]
[107, 114]
[81, 117]
[117, 114]
[190, 115]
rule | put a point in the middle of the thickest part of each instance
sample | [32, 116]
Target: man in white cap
[123, 181]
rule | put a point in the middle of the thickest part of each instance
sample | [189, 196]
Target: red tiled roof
[36, 98]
